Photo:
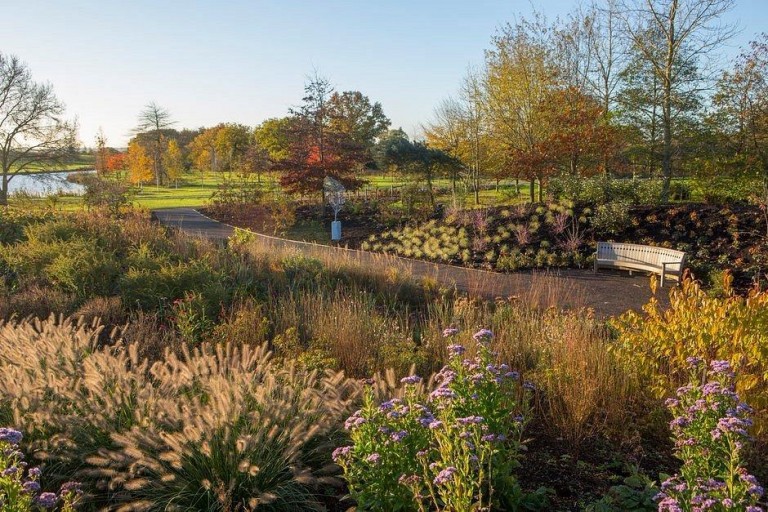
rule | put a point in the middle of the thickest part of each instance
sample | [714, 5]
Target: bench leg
[662, 277]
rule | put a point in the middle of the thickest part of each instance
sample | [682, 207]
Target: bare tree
[33, 132]
[690, 31]
[609, 53]
[153, 120]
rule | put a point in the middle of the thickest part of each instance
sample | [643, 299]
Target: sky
[244, 61]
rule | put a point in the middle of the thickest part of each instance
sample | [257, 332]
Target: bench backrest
[636, 253]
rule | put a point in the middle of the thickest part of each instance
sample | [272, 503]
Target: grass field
[196, 189]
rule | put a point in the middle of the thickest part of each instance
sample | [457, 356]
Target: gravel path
[608, 293]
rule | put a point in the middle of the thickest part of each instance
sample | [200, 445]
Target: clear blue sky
[243, 61]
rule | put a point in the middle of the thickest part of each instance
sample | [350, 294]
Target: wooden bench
[666, 262]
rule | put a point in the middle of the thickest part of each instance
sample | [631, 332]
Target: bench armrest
[665, 263]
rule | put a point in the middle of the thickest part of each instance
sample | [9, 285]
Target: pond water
[45, 184]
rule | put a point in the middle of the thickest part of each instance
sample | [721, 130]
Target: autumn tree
[583, 140]
[33, 132]
[448, 132]
[320, 145]
[173, 161]
[116, 162]
[139, 164]
[518, 79]
[152, 121]
[686, 32]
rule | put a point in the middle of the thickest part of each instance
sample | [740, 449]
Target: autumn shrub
[658, 342]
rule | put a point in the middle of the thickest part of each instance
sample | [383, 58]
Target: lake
[45, 184]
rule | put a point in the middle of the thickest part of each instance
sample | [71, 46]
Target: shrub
[611, 218]
[660, 341]
[710, 429]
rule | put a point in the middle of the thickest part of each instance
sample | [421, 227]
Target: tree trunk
[4, 191]
[531, 186]
[541, 190]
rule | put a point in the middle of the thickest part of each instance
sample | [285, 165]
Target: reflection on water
[45, 184]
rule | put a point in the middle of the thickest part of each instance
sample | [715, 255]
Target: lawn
[195, 189]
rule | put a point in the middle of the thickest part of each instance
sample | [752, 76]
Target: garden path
[608, 293]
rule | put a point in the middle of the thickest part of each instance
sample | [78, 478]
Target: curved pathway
[607, 293]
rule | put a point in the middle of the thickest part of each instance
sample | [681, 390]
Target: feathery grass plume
[214, 428]
[238, 432]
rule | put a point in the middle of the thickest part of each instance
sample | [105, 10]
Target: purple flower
[483, 335]
[669, 505]
[445, 476]
[435, 424]
[450, 331]
[723, 367]
[47, 500]
[469, 420]
[413, 379]
[10, 471]
[693, 361]
[671, 402]
[512, 375]
[34, 472]
[373, 458]
[31, 487]
[529, 386]
[354, 421]
[398, 436]
[389, 404]
[456, 350]
[728, 503]
[341, 453]
[409, 479]
[10, 436]
[442, 392]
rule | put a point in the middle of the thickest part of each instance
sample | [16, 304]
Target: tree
[688, 31]
[231, 141]
[583, 142]
[353, 114]
[33, 133]
[518, 78]
[204, 152]
[413, 158]
[741, 102]
[153, 120]
[116, 162]
[448, 132]
[102, 153]
[139, 164]
[173, 161]
[274, 136]
[315, 150]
